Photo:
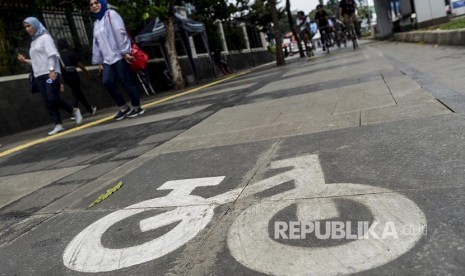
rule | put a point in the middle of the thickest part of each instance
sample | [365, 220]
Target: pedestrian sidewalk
[345, 89]
[18, 139]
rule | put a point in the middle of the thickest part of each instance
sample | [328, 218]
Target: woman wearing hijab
[111, 51]
[46, 68]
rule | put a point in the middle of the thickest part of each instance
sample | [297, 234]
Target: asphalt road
[347, 163]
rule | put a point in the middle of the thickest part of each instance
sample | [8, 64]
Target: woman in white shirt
[46, 68]
[111, 50]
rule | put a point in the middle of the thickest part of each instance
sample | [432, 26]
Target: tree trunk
[277, 34]
[294, 33]
[178, 80]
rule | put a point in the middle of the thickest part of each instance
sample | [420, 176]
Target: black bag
[33, 88]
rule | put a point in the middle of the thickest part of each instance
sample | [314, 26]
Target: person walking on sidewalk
[221, 62]
[46, 69]
[111, 51]
[71, 77]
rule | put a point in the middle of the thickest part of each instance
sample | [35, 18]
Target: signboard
[458, 7]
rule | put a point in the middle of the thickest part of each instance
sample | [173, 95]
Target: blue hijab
[102, 11]
[35, 23]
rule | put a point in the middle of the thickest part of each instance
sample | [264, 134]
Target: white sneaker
[58, 128]
[77, 115]
[94, 110]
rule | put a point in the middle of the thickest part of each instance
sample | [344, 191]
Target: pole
[369, 14]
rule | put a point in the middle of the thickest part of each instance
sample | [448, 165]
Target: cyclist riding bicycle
[338, 24]
[303, 23]
[321, 19]
[347, 15]
[339, 31]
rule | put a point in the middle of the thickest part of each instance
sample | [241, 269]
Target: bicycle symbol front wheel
[252, 228]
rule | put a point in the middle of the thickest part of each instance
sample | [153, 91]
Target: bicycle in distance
[309, 45]
[325, 38]
[352, 33]
[340, 34]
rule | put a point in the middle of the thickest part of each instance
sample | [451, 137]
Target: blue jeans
[120, 69]
[50, 92]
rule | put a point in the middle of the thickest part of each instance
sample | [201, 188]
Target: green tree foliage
[210, 10]
[260, 15]
[234, 37]
[363, 12]
[133, 12]
[332, 7]
[207, 12]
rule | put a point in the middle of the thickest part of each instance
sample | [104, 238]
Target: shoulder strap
[109, 19]
[303, 21]
[127, 33]
[61, 62]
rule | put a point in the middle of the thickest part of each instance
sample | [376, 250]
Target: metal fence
[73, 25]
[254, 37]
[58, 26]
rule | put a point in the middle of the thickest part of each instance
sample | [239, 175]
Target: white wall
[429, 9]
[405, 7]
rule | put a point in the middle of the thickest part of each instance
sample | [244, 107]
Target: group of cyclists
[333, 30]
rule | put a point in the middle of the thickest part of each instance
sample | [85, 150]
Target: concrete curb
[452, 37]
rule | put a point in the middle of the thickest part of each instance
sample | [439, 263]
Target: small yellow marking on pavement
[108, 118]
[314, 57]
[104, 196]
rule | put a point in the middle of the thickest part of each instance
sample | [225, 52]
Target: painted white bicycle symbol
[248, 236]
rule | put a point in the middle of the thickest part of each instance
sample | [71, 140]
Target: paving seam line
[424, 80]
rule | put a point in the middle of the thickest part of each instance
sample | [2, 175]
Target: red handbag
[140, 58]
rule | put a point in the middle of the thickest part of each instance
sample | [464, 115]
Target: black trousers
[50, 92]
[75, 85]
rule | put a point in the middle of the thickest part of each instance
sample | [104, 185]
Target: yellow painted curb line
[94, 123]
[313, 57]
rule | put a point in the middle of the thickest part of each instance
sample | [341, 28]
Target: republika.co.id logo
[348, 230]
